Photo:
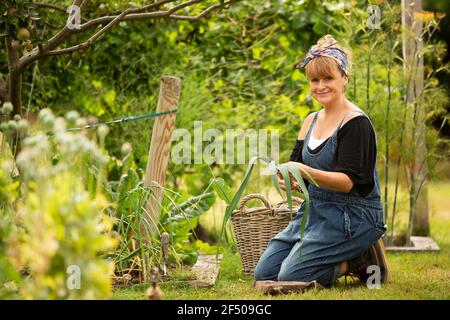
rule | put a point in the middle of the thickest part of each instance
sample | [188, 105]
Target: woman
[336, 146]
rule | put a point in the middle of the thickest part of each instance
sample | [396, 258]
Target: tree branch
[3, 90]
[55, 7]
[49, 6]
[65, 32]
[138, 13]
[200, 15]
[92, 39]
[126, 16]
[56, 40]
[130, 14]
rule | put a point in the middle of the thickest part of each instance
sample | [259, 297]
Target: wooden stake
[159, 153]
[165, 247]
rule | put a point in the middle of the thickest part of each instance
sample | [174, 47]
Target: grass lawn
[413, 275]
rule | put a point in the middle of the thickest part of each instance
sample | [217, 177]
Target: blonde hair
[322, 66]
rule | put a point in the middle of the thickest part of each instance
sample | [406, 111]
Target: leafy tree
[32, 31]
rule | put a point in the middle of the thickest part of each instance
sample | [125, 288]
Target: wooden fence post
[159, 153]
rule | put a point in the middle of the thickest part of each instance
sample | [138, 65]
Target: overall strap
[345, 115]
[311, 126]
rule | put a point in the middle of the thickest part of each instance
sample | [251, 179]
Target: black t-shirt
[356, 153]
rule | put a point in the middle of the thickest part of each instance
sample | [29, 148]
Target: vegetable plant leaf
[294, 170]
[222, 189]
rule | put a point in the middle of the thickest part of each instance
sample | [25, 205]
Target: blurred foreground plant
[9, 277]
[62, 226]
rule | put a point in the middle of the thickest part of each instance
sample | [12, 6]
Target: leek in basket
[285, 169]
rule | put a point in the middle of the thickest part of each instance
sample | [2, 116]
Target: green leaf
[97, 84]
[127, 182]
[276, 183]
[131, 255]
[110, 97]
[234, 202]
[204, 247]
[294, 170]
[285, 173]
[189, 258]
[222, 189]
[191, 208]
[319, 28]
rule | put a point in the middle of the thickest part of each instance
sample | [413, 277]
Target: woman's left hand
[294, 184]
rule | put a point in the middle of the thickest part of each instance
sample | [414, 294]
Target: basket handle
[294, 199]
[254, 196]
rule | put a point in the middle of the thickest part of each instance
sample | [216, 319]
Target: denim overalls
[341, 226]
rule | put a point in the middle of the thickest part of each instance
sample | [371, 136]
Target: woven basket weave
[255, 227]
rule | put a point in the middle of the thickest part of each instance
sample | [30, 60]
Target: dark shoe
[383, 264]
[358, 267]
[375, 255]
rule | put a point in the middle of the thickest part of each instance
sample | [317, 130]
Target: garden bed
[203, 274]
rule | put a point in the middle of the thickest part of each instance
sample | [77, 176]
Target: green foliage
[179, 220]
[75, 233]
[59, 197]
[134, 253]
[237, 72]
[222, 189]
[9, 277]
[237, 68]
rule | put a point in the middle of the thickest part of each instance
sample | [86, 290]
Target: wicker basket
[254, 227]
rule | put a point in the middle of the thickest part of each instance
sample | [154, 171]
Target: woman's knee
[324, 276]
[270, 261]
[263, 271]
[288, 275]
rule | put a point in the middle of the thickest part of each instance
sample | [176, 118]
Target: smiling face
[326, 80]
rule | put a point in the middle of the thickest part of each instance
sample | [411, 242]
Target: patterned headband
[326, 50]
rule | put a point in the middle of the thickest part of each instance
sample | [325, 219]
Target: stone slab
[206, 270]
[282, 287]
[419, 244]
